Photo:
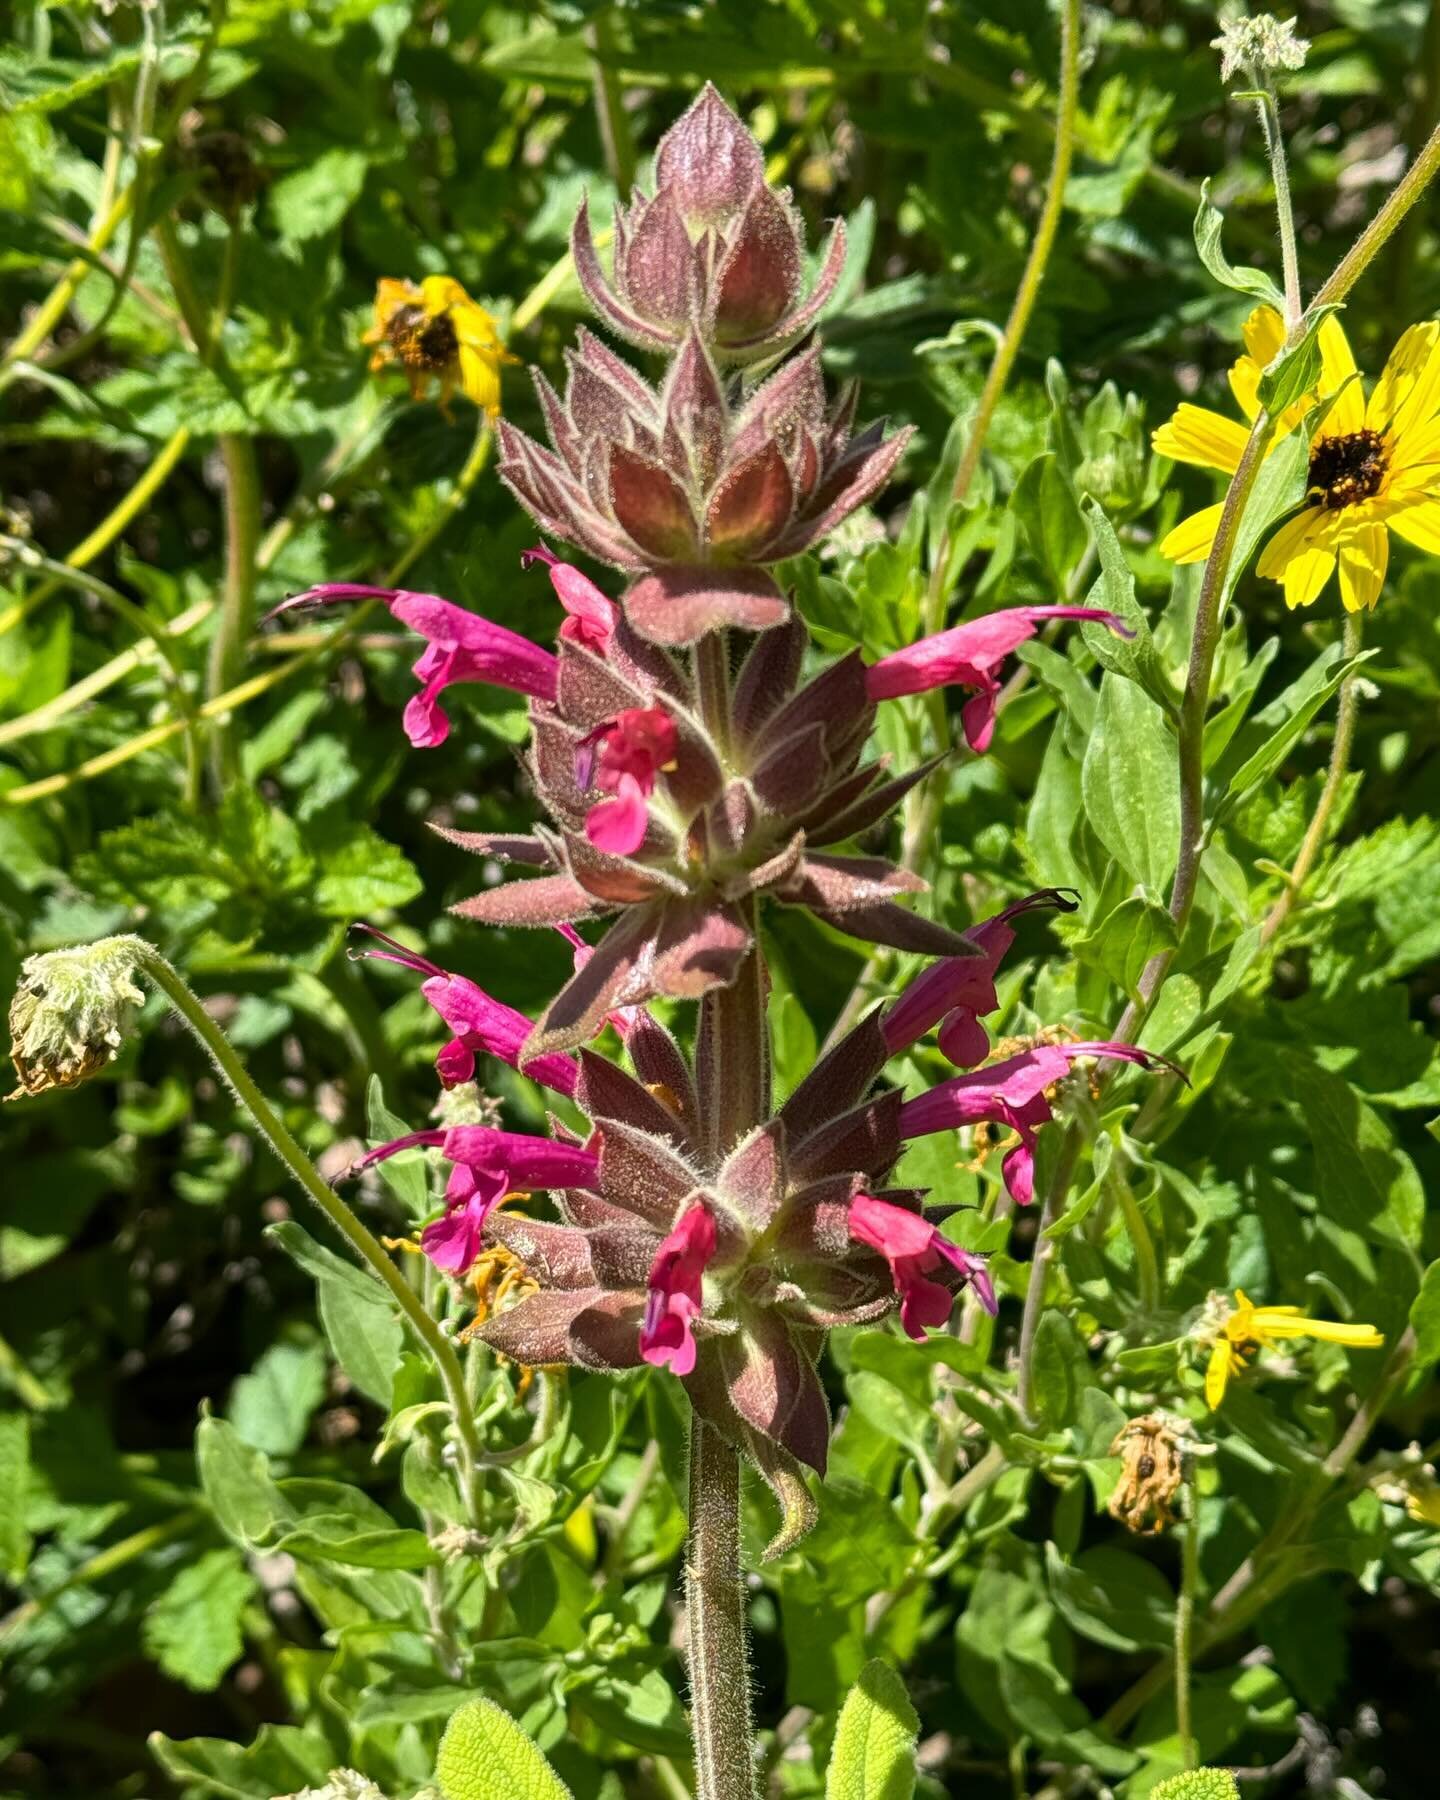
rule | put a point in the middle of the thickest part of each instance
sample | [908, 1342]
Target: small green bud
[1263, 45]
[71, 1012]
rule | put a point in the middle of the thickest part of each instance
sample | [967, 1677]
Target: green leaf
[282, 1760]
[1209, 223]
[1198, 1784]
[1044, 503]
[311, 201]
[332, 1537]
[193, 1629]
[362, 874]
[1125, 940]
[484, 1755]
[271, 1406]
[1263, 743]
[1113, 1598]
[1041, 1703]
[406, 1174]
[1114, 588]
[14, 1482]
[1424, 1319]
[1131, 784]
[874, 1753]
[1060, 1369]
[356, 1311]
[247, 1505]
[1296, 371]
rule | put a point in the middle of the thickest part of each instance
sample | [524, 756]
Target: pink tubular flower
[954, 992]
[480, 1022]
[969, 654]
[593, 616]
[462, 646]
[623, 757]
[914, 1249]
[675, 1290]
[1011, 1093]
[488, 1165]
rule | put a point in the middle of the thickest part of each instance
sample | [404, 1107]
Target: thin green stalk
[15, 1374]
[360, 1239]
[104, 1562]
[1185, 1621]
[236, 622]
[52, 309]
[1346, 714]
[719, 1653]
[1034, 273]
[1147, 1263]
[144, 627]
[1268, 105]
[616, 137]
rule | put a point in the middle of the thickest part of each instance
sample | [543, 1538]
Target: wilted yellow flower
[1249, 1328]
[436, 329]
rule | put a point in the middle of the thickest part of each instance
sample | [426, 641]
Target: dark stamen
[1346, 470]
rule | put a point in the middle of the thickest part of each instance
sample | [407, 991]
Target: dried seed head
[71, 1012]
[1152, 1449]
[1261, 46]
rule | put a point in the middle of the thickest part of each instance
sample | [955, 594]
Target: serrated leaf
[311, 201]
[362, 873]
[874, 1753]
[484, 1755]
[193, 1629]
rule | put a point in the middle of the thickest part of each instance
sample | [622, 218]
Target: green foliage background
[269, 1596]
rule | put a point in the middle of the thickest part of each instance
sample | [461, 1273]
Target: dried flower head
[71, 1012]
[436, 331]
[1152, 1449]
[1259, 46]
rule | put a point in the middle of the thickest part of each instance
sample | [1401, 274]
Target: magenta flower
[480, 1022]
[969, 655]
[623, 757]
[593, 616]
[914, 1249]
[674, 1290]
[488, 1165]
[954, 992]
[1012, 1093]
[462, 646]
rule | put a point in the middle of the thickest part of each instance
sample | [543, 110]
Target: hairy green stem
[1185, 1620]
[236, 622]
[1268, 105]
[1346, 714]
[360, 1239]
[719, 1651]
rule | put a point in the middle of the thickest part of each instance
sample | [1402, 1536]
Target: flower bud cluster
[72, 1011]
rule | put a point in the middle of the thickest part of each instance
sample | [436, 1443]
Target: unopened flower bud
[71, 1012]
[1265, 45]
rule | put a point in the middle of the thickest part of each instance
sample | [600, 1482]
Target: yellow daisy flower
[1374, 469]
[436, 329]
[1209, 440]
[1249, 1328]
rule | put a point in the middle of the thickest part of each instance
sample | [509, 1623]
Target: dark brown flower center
[1346, 470]
[424, 342]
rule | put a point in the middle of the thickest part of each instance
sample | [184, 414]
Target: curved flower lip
[624, 757]
[592, 615]
[963, 987]
[968, 654]
[479, 1021]
[1013, 1093]
[675, 1291]
[915, 1249]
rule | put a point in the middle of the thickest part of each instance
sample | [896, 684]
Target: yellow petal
[1363, 560]
[1264, 333]
[1407, 394]
[1337, 367]
[1420, 526]
[1191, 539]
[1245, 385]
[1281, 1322]
[1306, 575]
[438, 293]
[1290, 540]
[1207, 439]
[1217, 1374]
[1419, 448]
[480, 379]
